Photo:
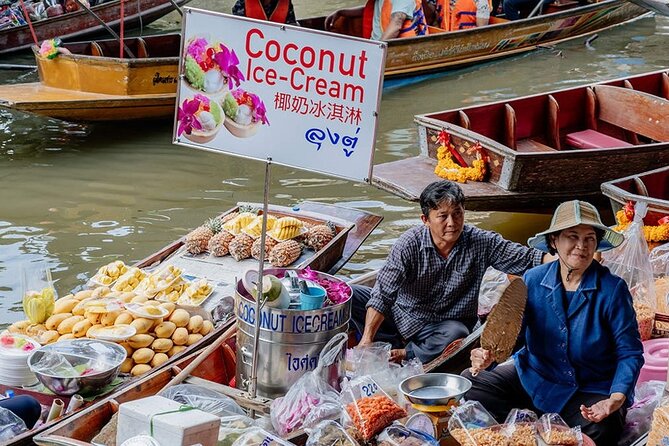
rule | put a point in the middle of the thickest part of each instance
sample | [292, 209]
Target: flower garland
[447, 167]
[659, 233]
[49, 48]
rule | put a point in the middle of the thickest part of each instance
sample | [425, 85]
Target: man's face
[446, 222]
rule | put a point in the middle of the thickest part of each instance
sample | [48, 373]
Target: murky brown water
[79, 196]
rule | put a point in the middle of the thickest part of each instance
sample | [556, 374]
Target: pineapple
[285, 253]
[219, 244]
[269, 244]
[228, 217]
[320, 235]
[197, 240]
[240, 246]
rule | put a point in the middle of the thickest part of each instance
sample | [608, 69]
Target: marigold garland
[449, 169]
[659, 233]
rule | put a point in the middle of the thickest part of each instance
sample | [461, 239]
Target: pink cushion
[592, 139]
[656, 356]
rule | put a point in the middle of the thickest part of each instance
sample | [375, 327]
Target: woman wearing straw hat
[583, 352]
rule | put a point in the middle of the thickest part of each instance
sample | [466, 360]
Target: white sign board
[261, 90]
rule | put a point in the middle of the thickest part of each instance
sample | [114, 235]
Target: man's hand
[398, 355]
[598, 411]
[481, 359]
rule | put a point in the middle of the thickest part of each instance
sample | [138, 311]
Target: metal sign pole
[259, 294]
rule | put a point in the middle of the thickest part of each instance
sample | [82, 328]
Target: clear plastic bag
[659, 260]
[368, 359]
[520, 427]
[311, 399]
[472, 425]
[204, 399]
[493, 285]
[554, 431]
[259, 437]
[329, 433]
[232, 428]
[10, 425]
[647, 396]
[398, 435]
[56, 364]
[368, 407]
[631, 261]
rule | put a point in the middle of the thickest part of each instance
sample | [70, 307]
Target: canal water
[78, 196]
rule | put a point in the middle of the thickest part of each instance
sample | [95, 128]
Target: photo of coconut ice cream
[244, 113]
[199, 119]
[211, 68]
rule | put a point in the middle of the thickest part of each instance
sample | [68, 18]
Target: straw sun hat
[574, 213]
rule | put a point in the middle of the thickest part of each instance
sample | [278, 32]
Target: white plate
[140, 310]
[113, 333]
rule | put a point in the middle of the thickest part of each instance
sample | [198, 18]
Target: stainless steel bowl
[103, 357]
[435, 389]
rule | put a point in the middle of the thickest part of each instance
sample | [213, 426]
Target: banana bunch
[196, 292]
[286, 228]
[242, 220]
[107, 274]
[173, 291]
[159, 281]
[254, 229]
[129, 280]
[38, 305]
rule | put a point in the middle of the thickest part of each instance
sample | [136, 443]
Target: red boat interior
[581, 118]
[653, 184]
[166, 45]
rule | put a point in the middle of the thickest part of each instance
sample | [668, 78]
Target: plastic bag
[553, 430]
[659, 260]
[232, 428]
[631, 261]
[311, 399]
[493, 285]
[398, 435]
[368, 359]
[10, 425]
[472, 425]
[56, 364]
[369, 408]
[259, 437]
[204, 399]
[520, 427]
[329, 433]
[647, 396]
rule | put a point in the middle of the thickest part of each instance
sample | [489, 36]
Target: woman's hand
[598, 411]
[481, 359]
[331, 19]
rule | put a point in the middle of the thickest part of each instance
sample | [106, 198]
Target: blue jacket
[595, 347]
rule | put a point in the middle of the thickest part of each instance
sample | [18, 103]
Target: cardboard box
[172, 425]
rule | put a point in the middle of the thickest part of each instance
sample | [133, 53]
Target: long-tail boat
[80, 23]
[352, 227]
[542, 149]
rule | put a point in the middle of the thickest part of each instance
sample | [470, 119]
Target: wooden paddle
[200, 358]
[504, 322]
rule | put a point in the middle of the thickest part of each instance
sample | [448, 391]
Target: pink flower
[28, 347]
[6, 340]
[228, 63]
[186, 117]
[197, 49]
[259, 110]
[204, 100]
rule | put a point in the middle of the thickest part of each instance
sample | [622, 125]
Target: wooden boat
[94, 84]
[440, 50]
[658, 6]
[353, 227]
[80, 23]
[546, 148]
[215, 373]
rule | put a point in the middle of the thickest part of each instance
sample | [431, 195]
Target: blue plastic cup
[314, 300]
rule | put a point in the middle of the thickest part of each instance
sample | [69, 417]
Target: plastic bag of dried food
[368, 407]
[647, 396]
[259, 437]
[10, 425]
[204, 399]
[493, 285]
[555, 432]
[232, 428]
[659, 428]
[329, 433]
[398, 435]
[520, 427]
[472, 425]
[659, 260]
[631, 261]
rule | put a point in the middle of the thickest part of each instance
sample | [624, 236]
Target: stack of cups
[15, 350]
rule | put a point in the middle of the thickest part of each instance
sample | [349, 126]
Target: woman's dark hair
[439, 192]
[599, 233]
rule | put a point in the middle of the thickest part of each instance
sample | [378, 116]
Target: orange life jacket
[415, 26]
[254, 10]
[461, 16]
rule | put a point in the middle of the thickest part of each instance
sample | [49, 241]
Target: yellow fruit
[127, 365]
[84, 294]
[165, 329]
[94, 318]
[140, 369]
[142, 325]
[54, 321]
[80, 308]
[125, 318]
[48, 337]
[180, 336]
[66, 326]
[108, 319]
[175, 350]
[180, 317]
[19, 327]
[143, 355]
[193, 338]
[100, 292]
[207, 327]
[169, 306]
[128, 350]
[35, 329]
[161, 345]
[158, 359]
[127, 296]
[93, 328]
[139, 299]
[195, 324]
[80, 329]
[285, 253]
[66, 337]
[140, 341]
[38, 305]
[64, 305]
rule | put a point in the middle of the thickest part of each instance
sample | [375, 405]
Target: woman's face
[576, 246]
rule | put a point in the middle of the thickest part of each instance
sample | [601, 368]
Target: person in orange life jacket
[453, 15]
[385, 19]
[279, 11]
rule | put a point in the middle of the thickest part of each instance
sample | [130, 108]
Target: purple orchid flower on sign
[197, 49]
[186, 116]
[259, 110]
[228, 62]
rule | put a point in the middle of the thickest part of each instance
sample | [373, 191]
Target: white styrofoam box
[183, 428]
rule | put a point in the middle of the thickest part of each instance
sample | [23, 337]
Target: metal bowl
[103, 357]
[435, 389]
